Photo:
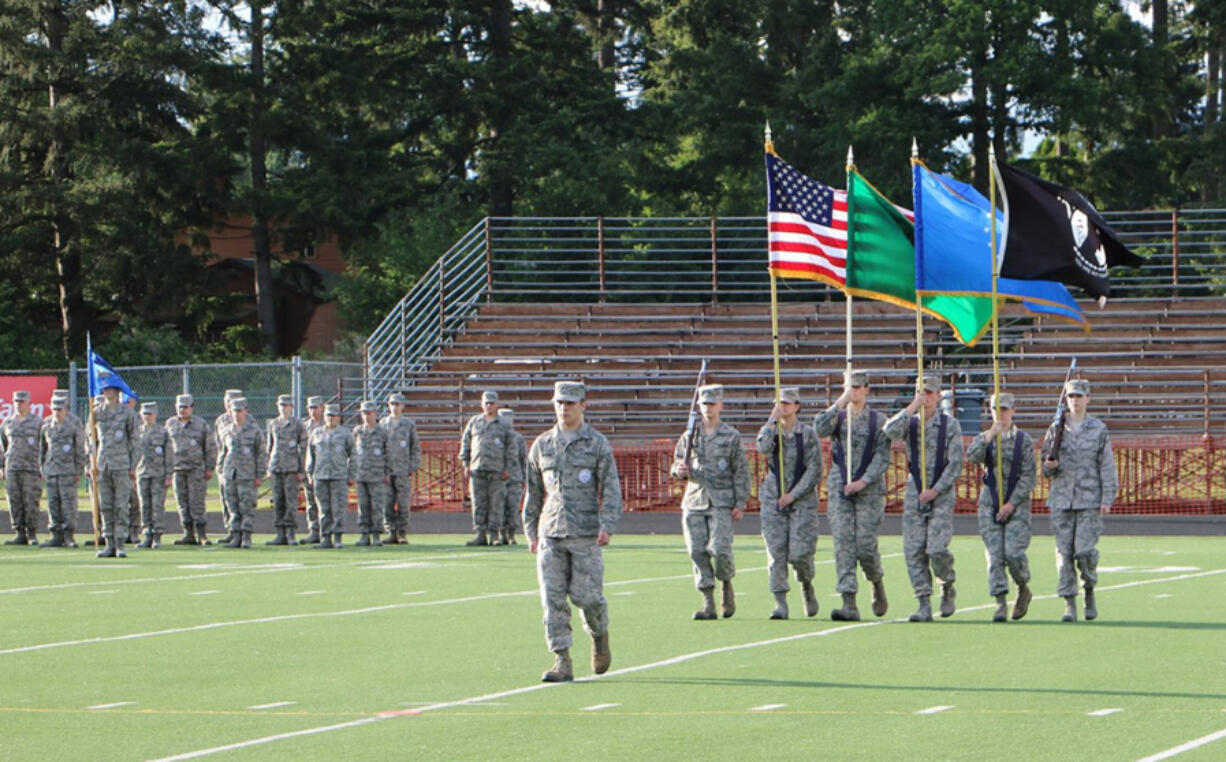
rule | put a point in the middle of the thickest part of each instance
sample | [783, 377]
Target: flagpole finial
[851, 159]
[914, 148]
[770, 144]
[992, 152]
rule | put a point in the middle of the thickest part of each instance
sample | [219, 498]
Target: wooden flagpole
[919, 369]
[1000, 477]
[770, 148]
[851, 167]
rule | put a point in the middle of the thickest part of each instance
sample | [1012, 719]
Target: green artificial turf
[194, 638]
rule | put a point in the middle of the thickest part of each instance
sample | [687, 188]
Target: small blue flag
[103, 376]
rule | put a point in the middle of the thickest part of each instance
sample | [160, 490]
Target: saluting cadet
[403, 460]
[370, 447]
[518, 468]
[484, 452]
[194, 452]
[716, 490]
[242, 456]
[1005, 526]
[1083, 487]
[19, 447]
[115, 427]
[63, 460]
[928, 507]
[153, 474]
[287, 444]
[855, 505]
[313, 421]
[331, 469]
[789, 516]
[574, 502]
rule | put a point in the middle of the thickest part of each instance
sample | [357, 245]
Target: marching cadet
[370, 455]
[19, 447]
[134, 519]
[331, 469]
[403, 460]
[484, 452]
[1005, 526]
[115, 428]
[194, 451]
[928, 512]
[242, 458]
[63, 459]
[1083, 487]
[855, 505]
[154, 471]
[716, 490]
[515, 482]
[287, 444]
[313, 421]
[574, 502]
[789, 516]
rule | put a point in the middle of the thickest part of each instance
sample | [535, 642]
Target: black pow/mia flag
[1054, 233]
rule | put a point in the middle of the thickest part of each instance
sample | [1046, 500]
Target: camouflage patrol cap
[489, 395]
[21, 396]
[856, 378]
[1006, 401]
[59, 403]
[711, 393]
[332, 409]
[398, 399]
[1078, 386]
[369, 406]
[506, 412]
[233, 394]
[184, 400]
[59, 393]
[931, 382]
[315, 401]
[238, 403]
[285, 399]
[790, 394]
[569, 391]
[148, 408]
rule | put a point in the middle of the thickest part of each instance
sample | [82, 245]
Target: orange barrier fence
[1170, 475]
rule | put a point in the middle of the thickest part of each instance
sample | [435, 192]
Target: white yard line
[1104, 712]
[1189, 746]
[935, 709]
[598, 707]
[205, 592]
[766, 707]
[273, 705]
[112, 706]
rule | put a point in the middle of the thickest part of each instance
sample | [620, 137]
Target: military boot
[280, 539]
[781, 606]
[880, 603]
[56, 541]
[363, 541]
[1001, 606]
[1022, 604]
[1091, 607]
[325, 543]
[478, 539]
[156, 542]
[69, 540]
[811, 605]
[1070, 609]
[202, 535]
[32, 538]
[602, 657]
[189, 536]
[729, 600]
[924, 612]
[235, 541]
[19, 539]
[312, 538]
[496, 538]
[133, 536]
[561, 671]
[949, 598]
[511, 537]
[375, 542]
[289, 537]
[336, 540]
[146, 541]
[849, 613]
[245, 540]
[707, 612]
[119, 551]
[108, 551]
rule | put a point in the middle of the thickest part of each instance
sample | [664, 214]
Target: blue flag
[103, 376]
[953, 253]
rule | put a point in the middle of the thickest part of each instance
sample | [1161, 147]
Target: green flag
[881, 262]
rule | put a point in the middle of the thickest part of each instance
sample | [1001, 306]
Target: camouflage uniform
[331, 464]
[518, 466]
[219, 429]
[370, 447]
[63, 458]
[242, 458]
[403, 460]
[928, 529]
[790, 533]
[485, 450]
[1006, 543]
[116, 427]
[287, 444]
[152, 471]
[19, 450]
[194, 452]
[573, 495]
[312, 499]
[718, 483]
[1084, 481]
[855, 519]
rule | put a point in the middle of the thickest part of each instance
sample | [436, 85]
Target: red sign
[39, 387]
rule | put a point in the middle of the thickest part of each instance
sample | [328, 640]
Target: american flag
[807, 222]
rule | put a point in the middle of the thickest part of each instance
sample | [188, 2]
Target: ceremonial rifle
[1061, 411]
[691, 428]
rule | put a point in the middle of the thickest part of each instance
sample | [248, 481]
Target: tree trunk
[265, 291]
[980, 172]
[1211, 87]
[606, 12]
[502, 190]
[1161, 18]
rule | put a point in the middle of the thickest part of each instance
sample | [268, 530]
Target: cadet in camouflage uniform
[789, 522]
[928, 515]
[63, 458]
[1005, 527]
[574, 502]
[370, 448]
[403, 460]
[134, 519]
[219, 428]
[1083, 487]
[242, 456]
[313, 421]
[194, 451]
[856, 507]
[287, 444]
[72, 417]
[153, 474]
[19, 437]
[716, 490]
[485, 449]
[515, 482]
[115, 427]
[331, 467]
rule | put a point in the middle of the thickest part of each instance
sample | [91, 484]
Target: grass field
[436, 649]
